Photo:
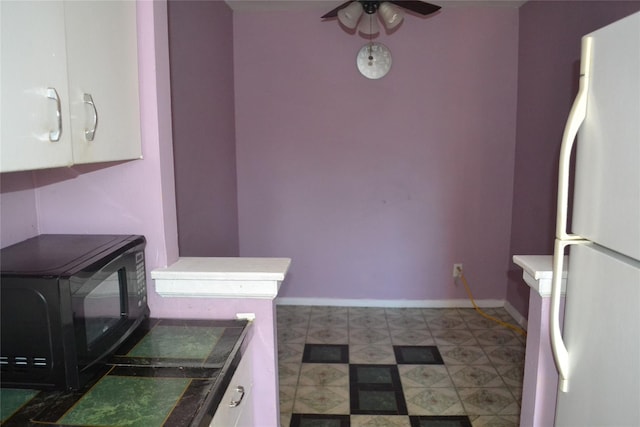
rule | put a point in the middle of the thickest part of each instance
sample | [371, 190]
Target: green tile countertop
[170, 372]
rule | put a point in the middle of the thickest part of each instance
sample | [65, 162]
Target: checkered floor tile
[397, 367]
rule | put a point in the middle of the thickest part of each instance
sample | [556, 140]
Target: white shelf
[538, 272]
[221, 277]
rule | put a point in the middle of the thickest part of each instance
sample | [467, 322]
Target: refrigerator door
[602, 334]
[606, 206]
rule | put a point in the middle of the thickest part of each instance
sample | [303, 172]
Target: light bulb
[390, 15]
[350, 15]
[369, 25]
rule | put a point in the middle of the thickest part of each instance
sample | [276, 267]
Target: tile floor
[397, 367]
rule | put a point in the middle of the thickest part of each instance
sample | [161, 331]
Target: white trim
[260, 289]
[537, 272]
[211, 277]
[221, 269]
[516, 315]
[451, 303]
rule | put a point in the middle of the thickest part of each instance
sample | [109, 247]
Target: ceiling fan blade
[421, 7]
[334, 12]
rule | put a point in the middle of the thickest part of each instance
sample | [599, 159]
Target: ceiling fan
[349, 13]
[374, 59]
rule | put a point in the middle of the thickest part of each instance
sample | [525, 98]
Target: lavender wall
[18, 213]
[376, 188]
[201, 51]
[549, 55]
[134, 197]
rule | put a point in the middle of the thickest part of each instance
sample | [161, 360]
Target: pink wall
[376, 188]
[549, 55]
[540, 387]
[18, 213]
[264, 343]
[201, 50]
[134, 197]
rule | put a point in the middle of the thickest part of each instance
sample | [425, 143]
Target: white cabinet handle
[235, 403]
[54, 135]
[90, 133]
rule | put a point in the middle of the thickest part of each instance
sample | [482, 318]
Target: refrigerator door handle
[560, 352]
[576, 117]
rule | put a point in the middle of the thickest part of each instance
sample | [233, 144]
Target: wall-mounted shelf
[538, 272]
[222, 277]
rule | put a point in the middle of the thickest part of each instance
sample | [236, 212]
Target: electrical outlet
[457, 270]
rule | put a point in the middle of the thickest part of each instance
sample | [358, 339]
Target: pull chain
[370, 58]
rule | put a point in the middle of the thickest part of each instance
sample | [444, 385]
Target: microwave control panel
[141, 281]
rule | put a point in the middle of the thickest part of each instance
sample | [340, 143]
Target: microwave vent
[22, 363]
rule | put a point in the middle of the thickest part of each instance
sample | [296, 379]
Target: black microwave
[67, 302]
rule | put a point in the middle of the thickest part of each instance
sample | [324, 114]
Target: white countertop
[226, 277]
[538, 272]
[225, 268]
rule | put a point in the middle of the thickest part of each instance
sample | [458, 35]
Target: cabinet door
[240, 415]
[102, 55]
[33, 60]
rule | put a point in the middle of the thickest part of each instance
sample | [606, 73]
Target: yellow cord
[483, 314]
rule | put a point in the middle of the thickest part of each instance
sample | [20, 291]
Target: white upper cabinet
[102, 62]
[86, 52]
[34, 128]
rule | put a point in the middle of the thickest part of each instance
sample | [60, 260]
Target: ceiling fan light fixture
[369, 24]
[390, 15]
[350, 15]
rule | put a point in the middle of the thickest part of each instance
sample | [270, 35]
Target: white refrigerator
[597, 352]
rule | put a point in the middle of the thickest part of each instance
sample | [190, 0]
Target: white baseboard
[451, 303]
[516, 315]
